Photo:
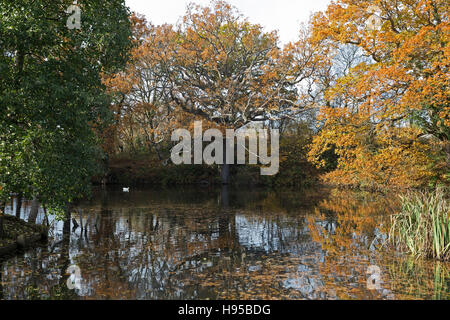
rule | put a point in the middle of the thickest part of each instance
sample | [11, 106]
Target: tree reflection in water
[198, 243]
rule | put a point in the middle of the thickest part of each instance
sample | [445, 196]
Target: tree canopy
[388, 118]
[51, 94]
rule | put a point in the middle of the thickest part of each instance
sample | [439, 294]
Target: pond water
[220, 243]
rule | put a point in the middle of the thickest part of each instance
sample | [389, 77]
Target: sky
[282, 15]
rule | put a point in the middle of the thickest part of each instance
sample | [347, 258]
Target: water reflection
[201, 243]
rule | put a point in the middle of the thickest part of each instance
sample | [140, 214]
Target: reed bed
[422, 227]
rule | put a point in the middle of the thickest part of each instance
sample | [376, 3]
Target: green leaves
[51, 94]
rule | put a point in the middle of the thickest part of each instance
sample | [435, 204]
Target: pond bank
[19, 234]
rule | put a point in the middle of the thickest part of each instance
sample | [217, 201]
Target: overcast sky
[282, 15]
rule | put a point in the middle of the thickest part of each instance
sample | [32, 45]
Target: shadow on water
[207, 243]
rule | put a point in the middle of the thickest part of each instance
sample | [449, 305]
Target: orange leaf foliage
[388, 118]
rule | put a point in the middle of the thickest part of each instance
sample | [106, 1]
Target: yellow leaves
[375, 162]
[374, 123]
[371, 155]
[355, 216]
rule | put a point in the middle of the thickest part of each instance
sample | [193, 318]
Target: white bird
[126, 189]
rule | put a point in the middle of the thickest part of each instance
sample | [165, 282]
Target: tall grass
[422, 227]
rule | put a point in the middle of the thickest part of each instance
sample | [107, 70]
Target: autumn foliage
[379, 97]
[387, 118]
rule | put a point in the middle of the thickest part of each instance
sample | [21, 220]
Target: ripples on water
[200, 243]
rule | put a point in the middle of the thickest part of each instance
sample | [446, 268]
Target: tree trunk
[225, 170]
[19, 205]
[67, 220]
[34, 210]
[225, 174]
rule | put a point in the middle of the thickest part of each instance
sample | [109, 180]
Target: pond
[223, 243]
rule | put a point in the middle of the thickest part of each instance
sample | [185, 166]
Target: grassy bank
[422, 227]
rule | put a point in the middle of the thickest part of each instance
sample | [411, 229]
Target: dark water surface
[206, 243]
